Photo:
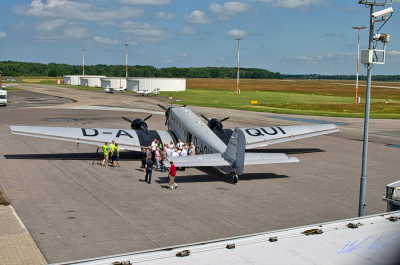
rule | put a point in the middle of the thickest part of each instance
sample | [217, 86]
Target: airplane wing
[133, 140]
[220, 159]
[264, 136]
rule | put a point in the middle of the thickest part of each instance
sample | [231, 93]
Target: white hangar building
[92, 81]
[76, 79]
[113, 82]
[163, 84]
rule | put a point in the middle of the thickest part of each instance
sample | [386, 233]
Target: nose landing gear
[235, 177]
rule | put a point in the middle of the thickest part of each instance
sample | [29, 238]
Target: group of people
[111, 150]
[154, 156]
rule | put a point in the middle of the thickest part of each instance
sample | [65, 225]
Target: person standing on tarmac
[112, 146]
[115, 155]
[149, 169]
[163, 158]
[106, 151]
[192, 150]
[172, 174]
[144, 156]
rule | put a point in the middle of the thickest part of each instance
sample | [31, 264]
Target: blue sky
[289, 36]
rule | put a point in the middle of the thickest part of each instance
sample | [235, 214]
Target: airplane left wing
[127, 139]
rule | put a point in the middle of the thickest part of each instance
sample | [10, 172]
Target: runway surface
[76, 209]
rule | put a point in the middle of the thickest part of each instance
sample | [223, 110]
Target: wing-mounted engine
[167, 112]
[215, 124]
[139, 124]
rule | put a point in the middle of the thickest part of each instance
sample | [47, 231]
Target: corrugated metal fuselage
[187, 126]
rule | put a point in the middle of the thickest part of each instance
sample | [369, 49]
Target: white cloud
[198, 17]
[237, 33]
[107, 23]
[146, 2]
[167, 61]
[334, 34]
[328, 60]
[66, 9]
[228, 9]
[163, 15]
[105, 40]
[303, 4]
[222, 59]
[145, 32]
[50, 25]
[394, 52]
[70, 31]
[2, 34]
[189, 31]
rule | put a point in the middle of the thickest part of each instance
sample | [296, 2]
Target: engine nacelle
[139, 124]
[215, 124]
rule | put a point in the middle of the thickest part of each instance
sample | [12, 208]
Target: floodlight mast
[237, 86]
[126, 64]
[358, 59]
[83, 63]
[368, 64]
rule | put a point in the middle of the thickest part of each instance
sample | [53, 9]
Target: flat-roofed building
[151, 84]
[113, 82]
[76, 79]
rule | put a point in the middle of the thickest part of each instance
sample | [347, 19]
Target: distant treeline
[12, 68]
[345, 77]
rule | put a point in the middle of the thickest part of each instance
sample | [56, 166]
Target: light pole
[126, 64]
[368, 59]
[83, 63]
[237, 87]
[358, 58]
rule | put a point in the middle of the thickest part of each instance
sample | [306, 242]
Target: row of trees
[12, 68]
[392, 78]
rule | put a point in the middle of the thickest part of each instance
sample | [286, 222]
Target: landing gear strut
[235, 178]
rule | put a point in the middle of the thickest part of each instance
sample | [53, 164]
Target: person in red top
[172, 174]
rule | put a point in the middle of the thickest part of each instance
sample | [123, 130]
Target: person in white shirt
[180, 144]
[154, 145]
[175, 153]
[184, 152]
[169, 152]
[179, 151]
[171, 145]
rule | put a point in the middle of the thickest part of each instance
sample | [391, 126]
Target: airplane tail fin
[235, 151]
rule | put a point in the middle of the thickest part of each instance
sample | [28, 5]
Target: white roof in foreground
[375, 241]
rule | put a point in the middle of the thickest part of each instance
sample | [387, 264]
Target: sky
[286, 36]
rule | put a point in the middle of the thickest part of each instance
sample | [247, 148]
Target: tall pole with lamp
[83, 63]
[369, 58]
[237, 86]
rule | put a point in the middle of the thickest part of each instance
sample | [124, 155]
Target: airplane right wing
[264, 136]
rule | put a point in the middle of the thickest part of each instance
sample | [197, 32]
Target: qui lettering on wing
[264, 131]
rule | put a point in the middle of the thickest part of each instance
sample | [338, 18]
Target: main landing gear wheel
[235, 178]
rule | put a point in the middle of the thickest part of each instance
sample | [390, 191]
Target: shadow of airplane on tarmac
[212, 174]
[133, 155]
[288, 151]
[127, 156]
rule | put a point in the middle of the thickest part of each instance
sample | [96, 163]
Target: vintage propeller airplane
[215, 146]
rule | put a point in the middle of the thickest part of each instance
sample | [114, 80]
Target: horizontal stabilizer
[213, 160]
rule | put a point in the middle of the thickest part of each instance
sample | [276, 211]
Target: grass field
[305, 97]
